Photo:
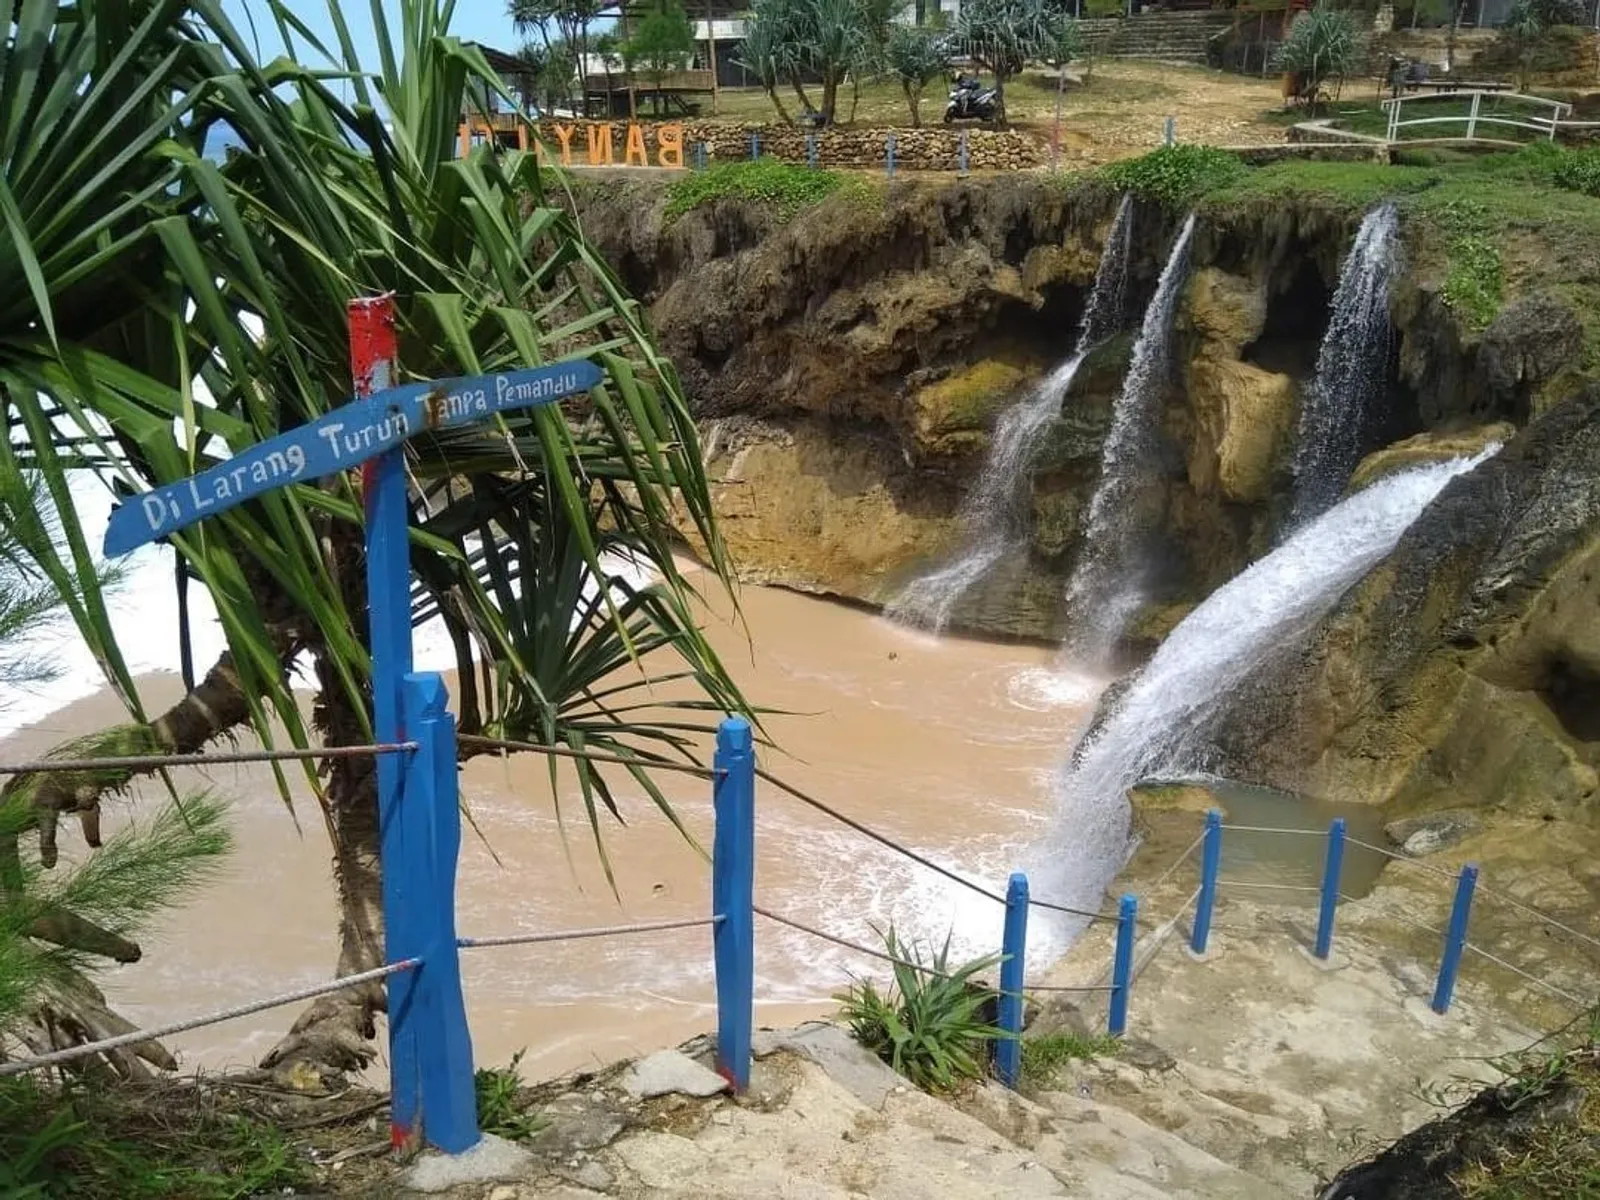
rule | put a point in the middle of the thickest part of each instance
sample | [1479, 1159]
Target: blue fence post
[890, 157]
[431, 815]
[961, 153]
[1331, 870]
[383, 490]
[733, 855]
[1210, 864]
[811, 151]
[1122, 965]
[1014, 951]
[1455, 938]
[755, 146]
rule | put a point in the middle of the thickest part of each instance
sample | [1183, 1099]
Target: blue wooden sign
[344, 438]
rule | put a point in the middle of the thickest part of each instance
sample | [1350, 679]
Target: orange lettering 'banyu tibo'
[595, 144]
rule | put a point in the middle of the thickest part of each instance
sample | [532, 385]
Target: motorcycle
[969, 101]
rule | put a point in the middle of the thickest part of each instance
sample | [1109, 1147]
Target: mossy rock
[1428, 448]
[1056, 520]
[953, 416]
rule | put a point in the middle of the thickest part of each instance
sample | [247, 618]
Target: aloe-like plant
[160, 311]
[1324, 44]
[930, 1024]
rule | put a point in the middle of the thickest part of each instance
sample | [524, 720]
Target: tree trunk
[855, 95]
[913, 101]
[335, 1033]
[830, 95]
[777, 103]
[799, 90]
[999, 100]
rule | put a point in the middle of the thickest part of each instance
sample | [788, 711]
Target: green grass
[86, 1143]
[787, 188]
[1043, 1056]
[501, 1109]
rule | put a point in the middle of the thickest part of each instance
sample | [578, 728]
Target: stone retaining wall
[935, 148]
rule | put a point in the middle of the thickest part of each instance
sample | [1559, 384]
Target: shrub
[1579, 171]
[501, 1110]
[930, 1025]
[1046, 1054]
[1550, 13]
[1323, 44]
[1176, 176]
[767, 181]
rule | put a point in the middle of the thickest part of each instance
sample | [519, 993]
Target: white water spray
[1106, 587]
[1159, 726]
[1351, 369]
[993, 513]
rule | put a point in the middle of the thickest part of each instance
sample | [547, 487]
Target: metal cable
[137, 1036]
[1405, 858]
[1532, 911]
[1163, 931]
[627, 760]
[1272, 829]
[1281, 887]
[568, 935]
[1537, 982]
[1404, 920]
[1077, 912]
[135, 762]
[1179, 861]
[922, 968]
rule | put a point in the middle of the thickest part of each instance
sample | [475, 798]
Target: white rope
[1271, 829]
[139, 1036]
[566, 935]
[1279, 887]
[1533, 979]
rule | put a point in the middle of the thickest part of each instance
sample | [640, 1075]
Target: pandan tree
[160, 311]
[915, 58]
[1003, 35]
[768, 55]
[1323, 45]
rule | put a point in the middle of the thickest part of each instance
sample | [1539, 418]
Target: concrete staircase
[1157, 36]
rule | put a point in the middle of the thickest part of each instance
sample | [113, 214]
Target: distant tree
[571, 18]
[916, 58]
[549, 71]
[607, 47]
[1431, 11]
[1522, 29]
[661, 43]
[1002, 35]
[828, 38]
[1323, 44]
[1551, 13]
[766, 56]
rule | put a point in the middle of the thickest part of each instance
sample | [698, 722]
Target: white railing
[1545, 122]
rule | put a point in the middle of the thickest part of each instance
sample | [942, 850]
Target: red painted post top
[372, 340]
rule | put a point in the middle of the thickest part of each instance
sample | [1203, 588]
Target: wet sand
[931, 741]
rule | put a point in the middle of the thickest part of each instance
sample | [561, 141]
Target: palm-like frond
[161, 311]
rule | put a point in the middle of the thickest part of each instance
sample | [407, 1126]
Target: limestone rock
[1244, 415]
[1227, 311]
[1532, 339]
[1428, 448]
[671, 1071]
[954, 415]
[1436, 831]
[493, 1158]
[848, 1063]
[1464, 670]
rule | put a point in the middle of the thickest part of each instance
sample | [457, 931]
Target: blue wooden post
[961, 153]
[890, 158]
[811, 151]
[1455, 938]
[1014, 951]
[1122, 965]
[733, 860]
[372, 362]
[1331, 870]
[755, 145]
[431, 816]
[1210, 864]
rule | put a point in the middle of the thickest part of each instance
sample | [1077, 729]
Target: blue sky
[475, 21]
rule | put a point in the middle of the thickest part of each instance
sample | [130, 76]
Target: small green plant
[1046, 1054]
[1323, 44]
[1475, 285]
[1176, 176]
[785, 187]
[500, 1107]
[930, 1025]
[1578, 171]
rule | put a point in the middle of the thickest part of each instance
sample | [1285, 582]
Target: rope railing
[572, 935]
[140, 1036]
[136, 762]
[627, 760]
[906, 852]
[911, 964]
[1559, 993]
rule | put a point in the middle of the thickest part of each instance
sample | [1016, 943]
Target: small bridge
[1513, 110]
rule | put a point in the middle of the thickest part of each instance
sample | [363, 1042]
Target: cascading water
[1351, 369]
[1159, 726]
[1106, 587]
[993, 513]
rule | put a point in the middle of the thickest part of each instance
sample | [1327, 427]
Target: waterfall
[1106, 587]
[1159, 725]
[1352, 367]
[994, 513]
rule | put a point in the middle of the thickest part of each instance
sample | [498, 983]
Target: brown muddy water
[947, 745]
